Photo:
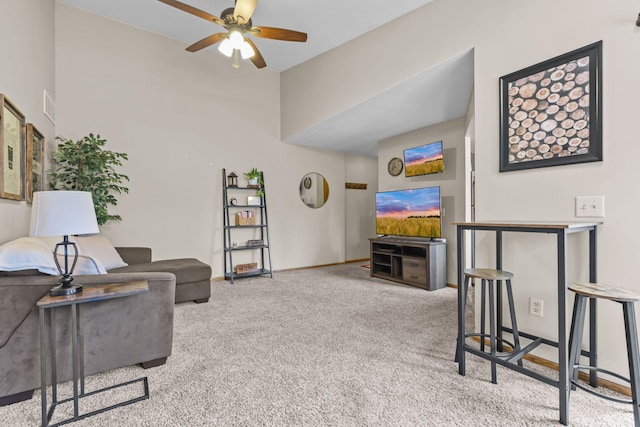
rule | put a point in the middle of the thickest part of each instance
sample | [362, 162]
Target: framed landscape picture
[12, 151]
[35, 161]
[551, 112]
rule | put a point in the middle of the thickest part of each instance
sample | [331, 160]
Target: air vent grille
[49, 107]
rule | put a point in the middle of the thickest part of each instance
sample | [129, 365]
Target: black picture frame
[551, 112]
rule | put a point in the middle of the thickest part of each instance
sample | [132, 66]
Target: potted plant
[254, 176]
[84, 165]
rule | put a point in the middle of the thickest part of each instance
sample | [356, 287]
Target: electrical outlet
[590, 206]
[536, 307]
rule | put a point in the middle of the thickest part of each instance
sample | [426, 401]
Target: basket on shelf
[245, 218]
[246, 268]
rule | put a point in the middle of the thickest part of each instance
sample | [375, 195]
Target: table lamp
[63, 213]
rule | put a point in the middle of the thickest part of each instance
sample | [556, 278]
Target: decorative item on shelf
[232, 180]
[638, 20]
[254, 178]
[246, 218]
[63, 213]
[233, 201]
[256, 242]
[394, 167]
[254, 200]
[246, 268]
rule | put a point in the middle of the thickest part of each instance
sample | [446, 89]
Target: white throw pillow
[100, 248]
[34, 253]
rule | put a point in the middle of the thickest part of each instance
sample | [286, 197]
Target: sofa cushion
[186, 270]
[100, 248]
[36, 253]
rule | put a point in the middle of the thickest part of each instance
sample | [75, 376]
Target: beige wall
[27, 69]
[360, 205]
[182, 117]
[508, 36]
[451, 182]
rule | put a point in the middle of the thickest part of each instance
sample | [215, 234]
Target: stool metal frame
[494, 278]
[592, 291]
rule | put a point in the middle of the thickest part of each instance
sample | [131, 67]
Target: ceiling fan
[237, 21]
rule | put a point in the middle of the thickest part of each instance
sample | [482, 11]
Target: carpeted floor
[326, 347]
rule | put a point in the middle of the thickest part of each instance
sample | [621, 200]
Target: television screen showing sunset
[414, 212]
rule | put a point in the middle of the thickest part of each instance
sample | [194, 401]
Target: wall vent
[49, 107]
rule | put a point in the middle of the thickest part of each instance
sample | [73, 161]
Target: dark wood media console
[420, 263]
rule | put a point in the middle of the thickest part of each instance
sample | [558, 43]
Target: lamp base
[63, 289]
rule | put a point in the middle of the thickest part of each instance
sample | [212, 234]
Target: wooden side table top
[530, 224]
[92, 293]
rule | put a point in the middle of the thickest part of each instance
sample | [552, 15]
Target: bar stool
[585, 291]
[490, 276]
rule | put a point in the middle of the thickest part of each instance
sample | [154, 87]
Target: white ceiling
[427, 99]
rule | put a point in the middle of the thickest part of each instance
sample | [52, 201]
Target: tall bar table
[561, 230]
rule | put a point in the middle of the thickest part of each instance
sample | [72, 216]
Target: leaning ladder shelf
[261, 229]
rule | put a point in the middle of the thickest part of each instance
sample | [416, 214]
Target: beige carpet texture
[323, 347]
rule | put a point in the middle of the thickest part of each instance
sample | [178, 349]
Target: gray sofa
[119, 332]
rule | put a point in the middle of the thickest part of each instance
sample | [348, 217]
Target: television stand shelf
[414, 262]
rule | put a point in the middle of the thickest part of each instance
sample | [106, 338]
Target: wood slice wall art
[550, 113]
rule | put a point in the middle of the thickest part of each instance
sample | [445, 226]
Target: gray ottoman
[193, 277]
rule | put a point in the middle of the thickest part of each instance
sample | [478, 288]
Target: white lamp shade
[226, 48]
[236, 39]
[247, 51]
[62, 213]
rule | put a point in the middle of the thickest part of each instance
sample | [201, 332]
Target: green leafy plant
[256, 174]
[84, 165]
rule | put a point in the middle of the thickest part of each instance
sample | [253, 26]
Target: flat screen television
[424, 160]
[410, 213]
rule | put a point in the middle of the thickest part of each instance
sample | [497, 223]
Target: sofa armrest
[134, 255]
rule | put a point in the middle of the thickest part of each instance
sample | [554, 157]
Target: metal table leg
[564, 384]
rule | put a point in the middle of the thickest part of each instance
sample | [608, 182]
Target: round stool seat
[488, 274]
[598, 290]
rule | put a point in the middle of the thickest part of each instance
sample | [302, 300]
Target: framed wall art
[551, 112]
[12, 150]
[35, 162]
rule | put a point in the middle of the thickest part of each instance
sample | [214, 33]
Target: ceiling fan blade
[244, 9]
[279, 34]
[194, 11]
[206, 42]
[257, 58]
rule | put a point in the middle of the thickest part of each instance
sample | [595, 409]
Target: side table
[47, 343]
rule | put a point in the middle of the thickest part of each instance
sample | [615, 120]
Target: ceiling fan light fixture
[247, 51]
[236, 39]
[226, 48]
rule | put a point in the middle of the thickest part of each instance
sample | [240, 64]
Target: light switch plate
[590, 206]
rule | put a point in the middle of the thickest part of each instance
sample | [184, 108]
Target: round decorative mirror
[314, 190]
